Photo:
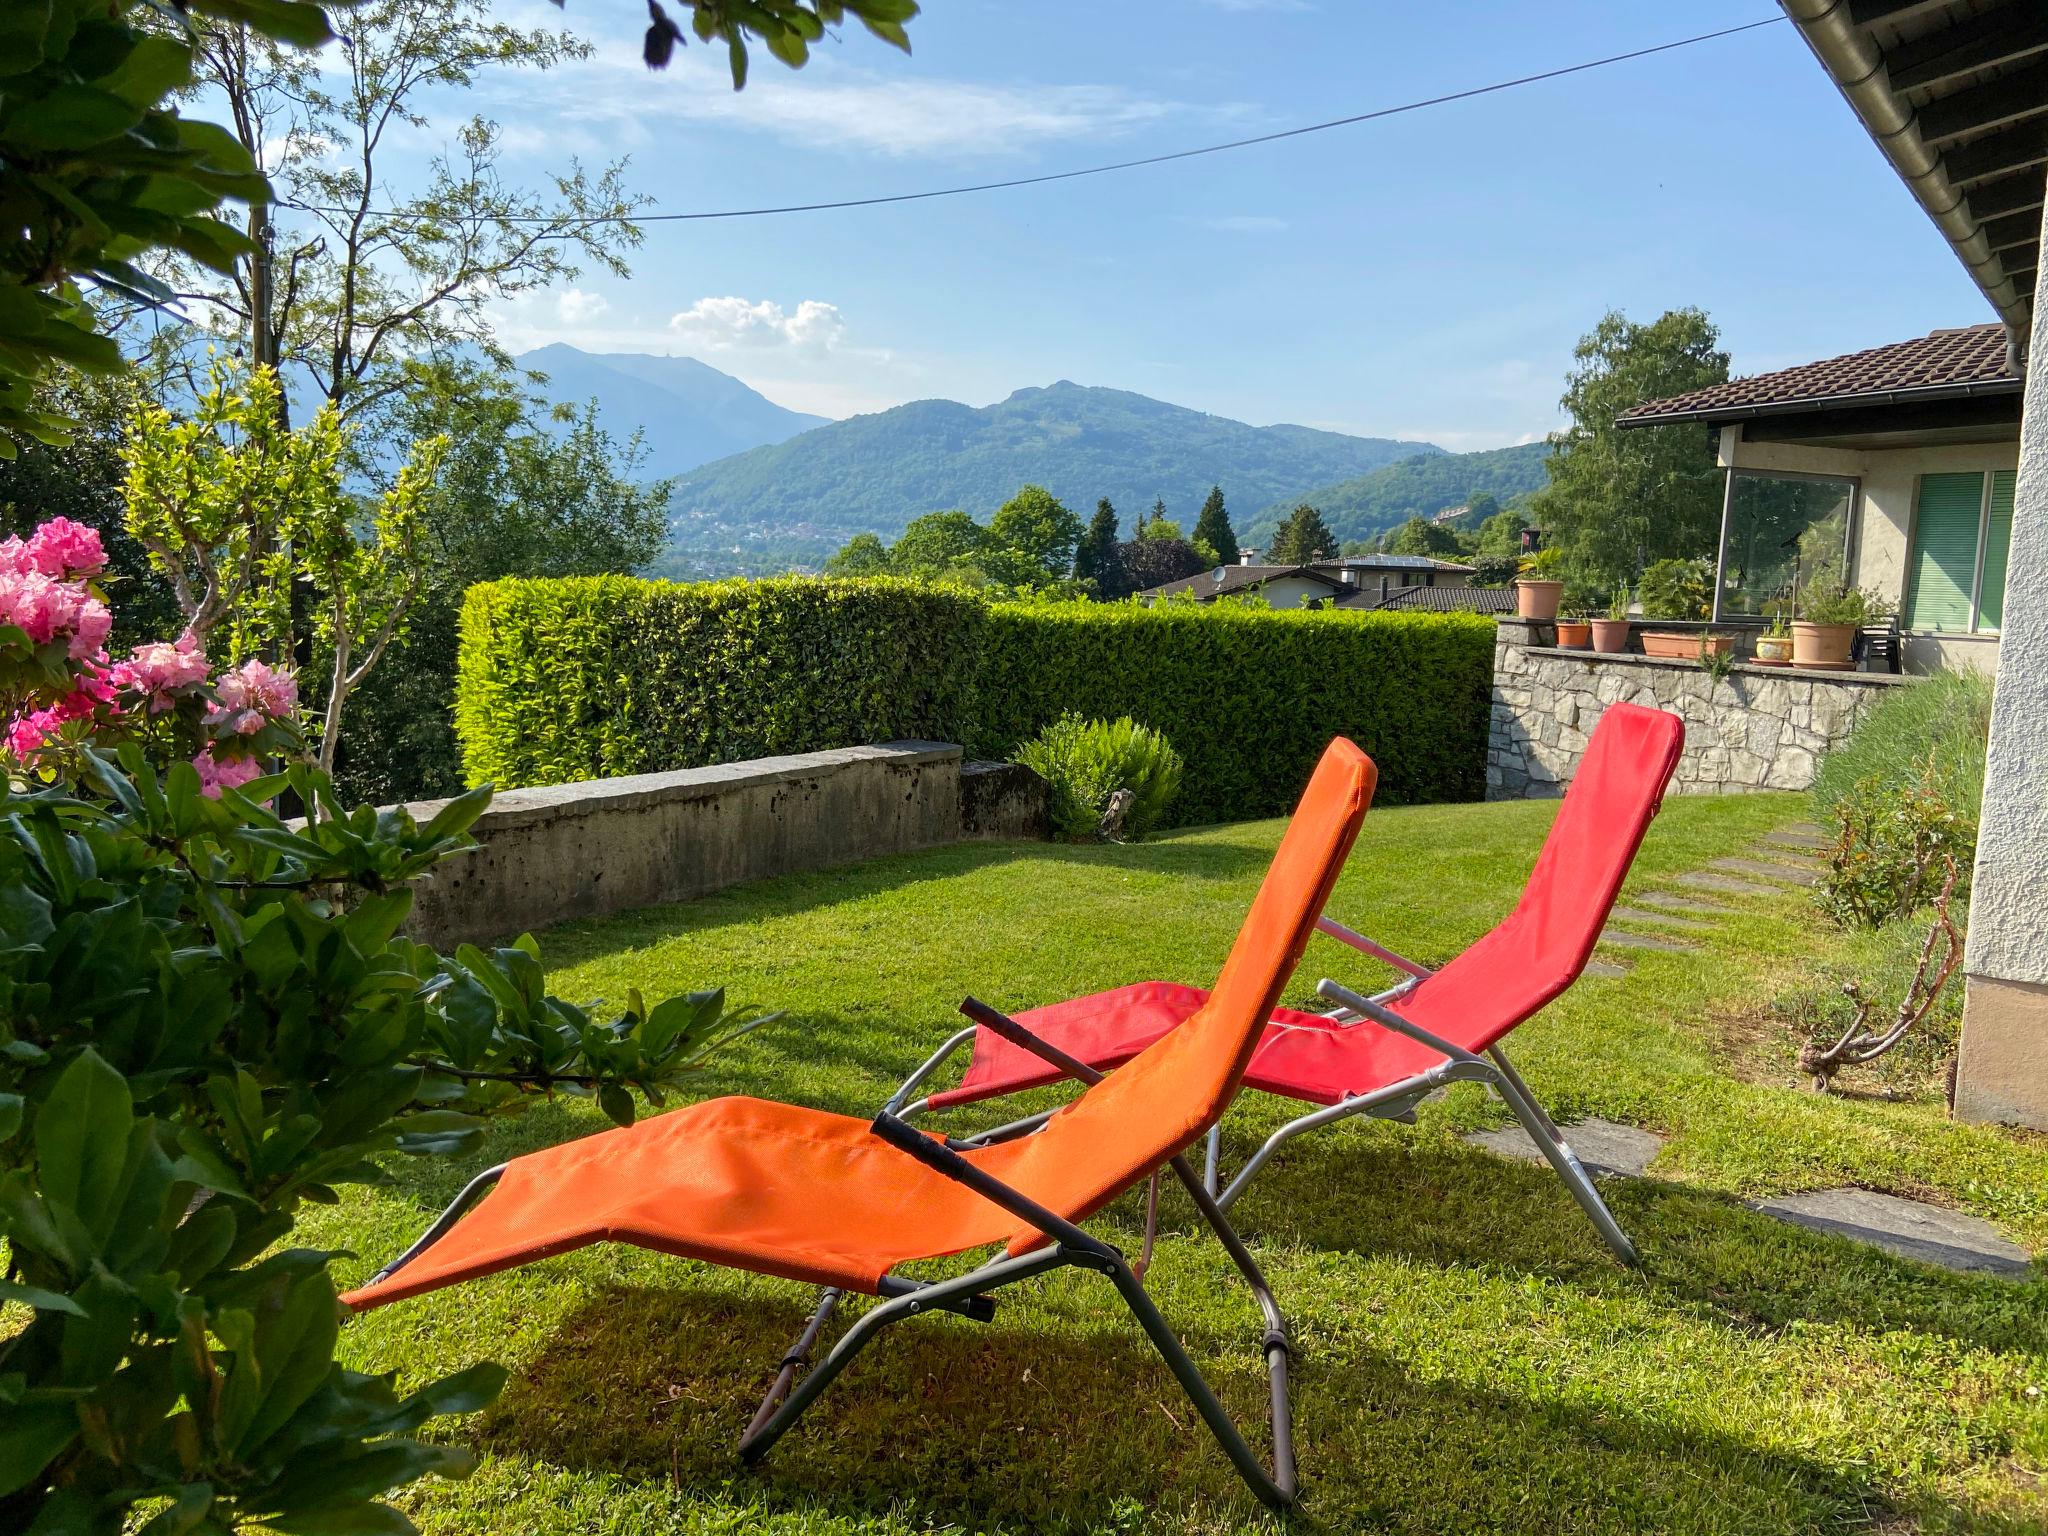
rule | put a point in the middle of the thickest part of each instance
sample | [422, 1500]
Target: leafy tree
[1213, 528]
[939, 541]
[512, 499]
[1494, 570]
[1303, 539]
[1620, 499]
[1478, 508]
[1095, 555]
[1420, 536]
[1160, 526]
[863, 555]
[248, 520]
[1037, 534]
[102, 171]
[1149, 562]
[1501, 533]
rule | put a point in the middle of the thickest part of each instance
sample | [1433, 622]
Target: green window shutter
[1944, 552]
[1997, 538]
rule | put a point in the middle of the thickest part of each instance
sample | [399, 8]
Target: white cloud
[721, 324]
[579, 308]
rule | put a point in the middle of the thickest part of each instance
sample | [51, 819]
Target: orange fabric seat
[807, 1195]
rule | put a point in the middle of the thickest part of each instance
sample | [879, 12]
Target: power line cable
[1124, 165]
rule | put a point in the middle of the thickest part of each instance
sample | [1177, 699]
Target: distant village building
[1449, 514]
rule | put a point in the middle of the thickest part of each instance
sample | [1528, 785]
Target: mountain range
[797, 501]
[1427, 483]
[687, 412]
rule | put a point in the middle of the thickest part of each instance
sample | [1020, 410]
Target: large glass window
[1962, 525]
[1782, 532]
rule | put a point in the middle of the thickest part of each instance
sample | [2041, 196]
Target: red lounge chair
[1435, 1027]
[843, 1202]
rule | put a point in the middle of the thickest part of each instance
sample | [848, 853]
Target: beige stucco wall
[1293, 591]
[1888, 481]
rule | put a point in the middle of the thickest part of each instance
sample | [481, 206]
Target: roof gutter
[1857, 68]
[1869, 398]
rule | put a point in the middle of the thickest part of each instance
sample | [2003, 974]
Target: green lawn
[1468, 1356]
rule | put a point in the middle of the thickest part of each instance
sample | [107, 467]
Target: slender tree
[1213, 528]
[1302, 539]
[1095, 556]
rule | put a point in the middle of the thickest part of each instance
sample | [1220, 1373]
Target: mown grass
[1468, 1356]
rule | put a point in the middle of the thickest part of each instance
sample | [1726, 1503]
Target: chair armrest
[1365, 946]
[941, 1159]
[1386, 1018]
[931, 1064]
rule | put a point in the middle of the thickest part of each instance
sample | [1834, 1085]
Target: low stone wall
[1757, 728]
[610, 845]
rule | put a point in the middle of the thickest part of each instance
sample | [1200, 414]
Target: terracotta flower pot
[1774, 650]
[1822, 646]
[1610, 636]
[1536, 599]
[1574, 634]
[1674, 644]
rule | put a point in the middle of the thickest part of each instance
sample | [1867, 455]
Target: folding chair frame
[968, 1294]
[1393, 1101]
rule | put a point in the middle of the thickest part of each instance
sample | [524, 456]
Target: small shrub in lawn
[1893, 848]
[1090, 763]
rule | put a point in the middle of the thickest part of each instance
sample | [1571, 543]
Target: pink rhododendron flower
[14, 559]
[161, 666]
[217, 773]
[94, 623]
[63, 548]
[254, 686]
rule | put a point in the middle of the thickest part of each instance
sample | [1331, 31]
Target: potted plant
[1536, 591]
[1683, 590]
[1610, 635]
[1574, 630]
[1830, 615]
[1774, 645]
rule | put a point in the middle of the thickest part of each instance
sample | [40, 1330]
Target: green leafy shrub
[1930, 733]
[1678, 589]
[586, 678]
[1828, 602]
[1893, 845]
[1087, 762]
[207, 1018]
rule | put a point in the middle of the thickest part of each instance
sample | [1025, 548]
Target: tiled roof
[1943, 361]
[1436, 600]
[1225, 580]
[1388, 563]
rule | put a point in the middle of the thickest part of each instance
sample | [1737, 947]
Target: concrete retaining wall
[1758, 728]
[610, 845]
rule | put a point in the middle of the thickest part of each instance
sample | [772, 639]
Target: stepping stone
[1602, 1145]
[1671, 901]
[1798, 842]
[1912, 1229]
[1763, 871]
[1605, 969]
[1626, 940]
[1706, 880]
[1661, 919]
[1805, 830]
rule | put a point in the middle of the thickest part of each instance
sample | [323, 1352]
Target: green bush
[1931, 733]
[1893, 847]
[596, 677]
[1678, 589]
[1088, 762]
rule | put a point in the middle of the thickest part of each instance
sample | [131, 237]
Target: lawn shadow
[1065, 1427]
[1427, 1196]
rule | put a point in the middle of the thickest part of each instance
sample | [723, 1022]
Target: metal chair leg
[1565, 1163]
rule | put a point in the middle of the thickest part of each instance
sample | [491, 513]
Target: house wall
[1889, 479]
[1293, 591]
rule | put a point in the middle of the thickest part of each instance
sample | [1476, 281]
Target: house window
[1962, 525]
[1779, 533]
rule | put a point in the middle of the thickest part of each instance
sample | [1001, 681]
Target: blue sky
[1420, 277]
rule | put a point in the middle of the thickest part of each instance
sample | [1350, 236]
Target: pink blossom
[157, 668]
[28, 733]
[14, 558]
[63, 548]
[95, 622]
[218, 773]
[256, 686]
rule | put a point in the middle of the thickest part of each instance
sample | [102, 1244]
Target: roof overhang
[1955, 94]
[1888, 402]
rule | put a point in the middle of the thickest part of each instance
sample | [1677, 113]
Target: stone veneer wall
[1758, 728]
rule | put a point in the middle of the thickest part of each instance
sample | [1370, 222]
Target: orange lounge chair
[842, 1202]
[1380, 1054]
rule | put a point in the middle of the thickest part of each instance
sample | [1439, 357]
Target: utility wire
[1126, 165]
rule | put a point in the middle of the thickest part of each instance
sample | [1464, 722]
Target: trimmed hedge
[593, 677]
[602, 676]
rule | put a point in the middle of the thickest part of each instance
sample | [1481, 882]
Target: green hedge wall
[595, 677]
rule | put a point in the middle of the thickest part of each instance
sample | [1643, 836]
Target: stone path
[1786, 858]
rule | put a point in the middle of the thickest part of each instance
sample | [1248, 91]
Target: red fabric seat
[1535, 953]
